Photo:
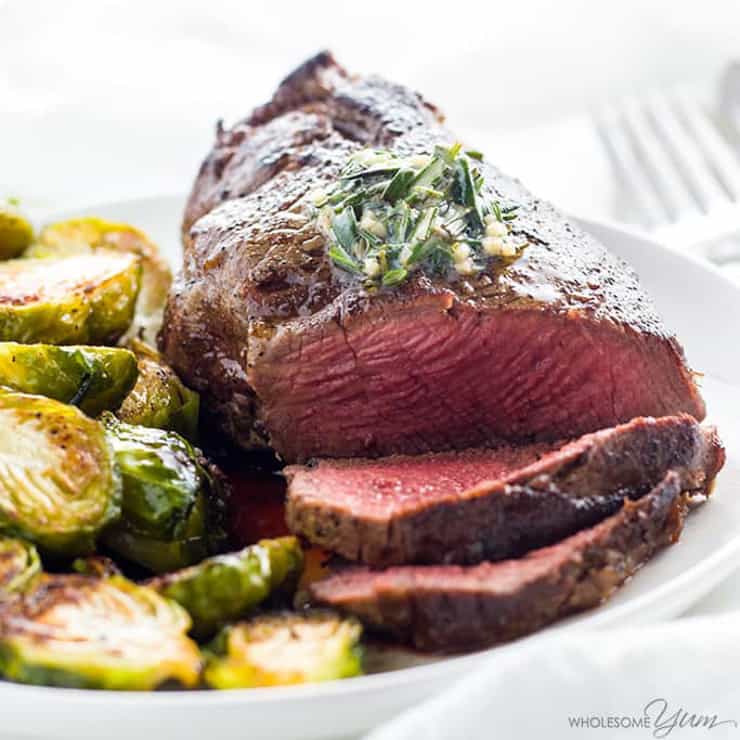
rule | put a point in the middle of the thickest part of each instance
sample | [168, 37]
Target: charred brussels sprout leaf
[58, 482]
[19, 565]
[280, 649]
[166, 498]
[16, 233]
[159, 398]
[83, 299]
[225, 587]
[95, 633]
[93, 378]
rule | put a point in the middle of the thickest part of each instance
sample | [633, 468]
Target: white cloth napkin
[668, 680]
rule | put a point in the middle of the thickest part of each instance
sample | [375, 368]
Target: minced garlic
[370, 223]
[371, 267]
[388, 215]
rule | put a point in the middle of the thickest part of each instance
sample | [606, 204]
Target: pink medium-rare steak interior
[433, 379]
[490, 504]
[451, 607]
[392, 485]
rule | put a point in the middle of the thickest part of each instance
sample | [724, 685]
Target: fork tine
[714, 147]
[624, 160]
[655, 159]
[686, 155]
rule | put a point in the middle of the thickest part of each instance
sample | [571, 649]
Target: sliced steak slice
[448, 608]
[492, 504]
[292, 354]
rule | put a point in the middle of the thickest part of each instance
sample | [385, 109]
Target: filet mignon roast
[465, 507]
[451, 607]
[293, 353]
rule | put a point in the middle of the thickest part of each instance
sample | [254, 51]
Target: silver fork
[680, 173]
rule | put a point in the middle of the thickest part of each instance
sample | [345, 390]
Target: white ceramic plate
[695, 300]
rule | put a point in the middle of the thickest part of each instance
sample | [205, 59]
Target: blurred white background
[109, 99]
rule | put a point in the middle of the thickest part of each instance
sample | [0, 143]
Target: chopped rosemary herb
[343, 259]
[388, 216]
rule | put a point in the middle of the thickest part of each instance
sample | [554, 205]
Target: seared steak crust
[291, 352]
[449, 608]
[465, 507]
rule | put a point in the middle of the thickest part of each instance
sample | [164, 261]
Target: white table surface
[107, 100]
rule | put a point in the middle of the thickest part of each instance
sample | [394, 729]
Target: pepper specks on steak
[452, 607]
[490, 504]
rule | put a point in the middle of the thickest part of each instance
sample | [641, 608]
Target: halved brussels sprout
[159, 398]
[98, 566]
[166, 497]
[19, 565]
[280, 649]
[96, 633]
[93, 378]
[59, 485]
[156, 556]
[88, 234]
[16, 232]
[226, 587]
[83, 299]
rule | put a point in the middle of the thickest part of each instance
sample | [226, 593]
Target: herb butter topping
[387, 216]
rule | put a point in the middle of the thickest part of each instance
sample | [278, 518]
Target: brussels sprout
[19, 565]
[156, 556]
[96, 565]
[162, 480]
[88, 234]
[225, 587]
[59, 485]
[95, 633]
[280, 649]
[84, 299]
[16, 233]
[166, 496]
[159, 398]
[93, 378]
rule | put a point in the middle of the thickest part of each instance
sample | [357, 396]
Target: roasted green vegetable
[159, 398]
[95, 633]
[83, 299]
[59, 485]
[166, 495]
[19, 565]
[280, 649]
[89, 234]
[93, 378]
[226, 587]
[16, 233]
[157, 556]
[163, 482]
